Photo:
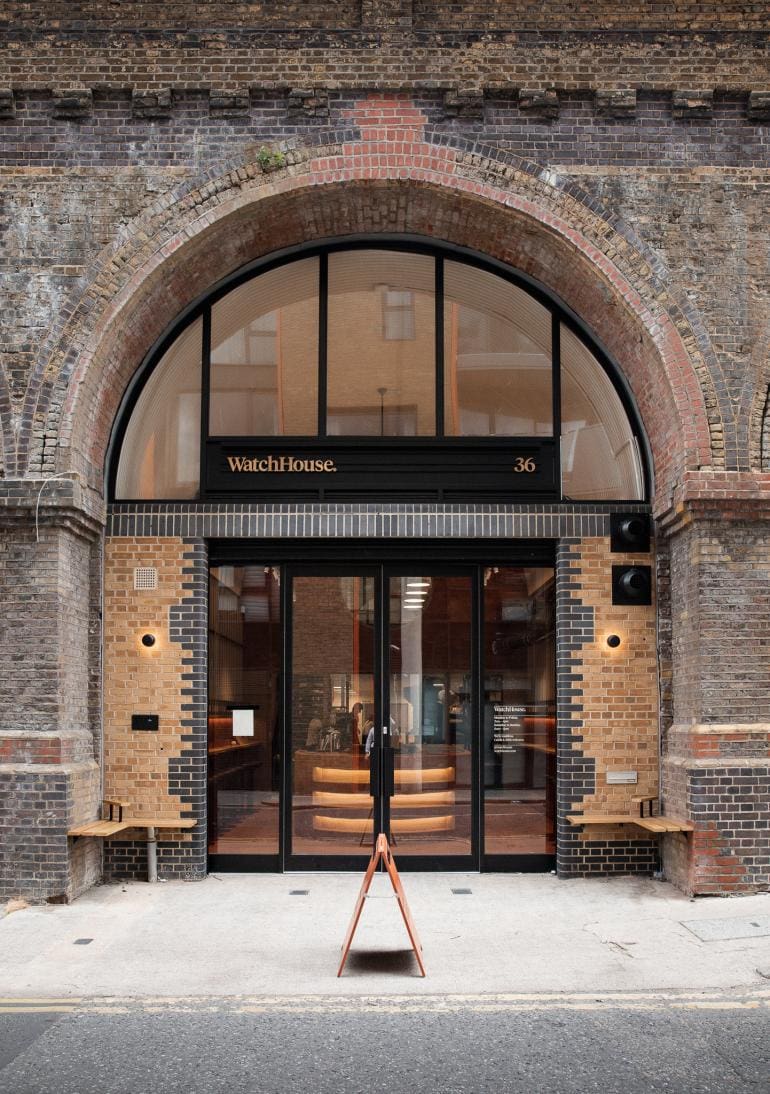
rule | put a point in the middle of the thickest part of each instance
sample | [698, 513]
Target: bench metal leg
[152, 855]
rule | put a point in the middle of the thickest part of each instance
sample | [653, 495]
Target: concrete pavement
[279, 935]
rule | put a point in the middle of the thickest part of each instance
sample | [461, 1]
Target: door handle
[374, 771]
[389, 771]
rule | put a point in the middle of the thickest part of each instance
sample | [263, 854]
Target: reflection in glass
[497, 357]
[244, 750]
[430, 714]
[519, 739]
[600, 457]
[264, 355]
[160, 455]
[332, 713]
[381, 352]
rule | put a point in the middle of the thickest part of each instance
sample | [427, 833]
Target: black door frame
[382, 573]
[382, 559]
[296, 862]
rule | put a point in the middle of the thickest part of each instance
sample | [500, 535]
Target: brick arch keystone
[383, 176]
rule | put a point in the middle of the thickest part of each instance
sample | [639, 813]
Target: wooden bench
[106, 829]
[651, 824]
[644, 819]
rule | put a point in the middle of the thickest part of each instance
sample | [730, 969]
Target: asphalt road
[451, 1045]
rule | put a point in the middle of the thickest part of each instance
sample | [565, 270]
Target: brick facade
[608, 711]
[49, 742]
[619, 157]
[719, 775]
[161, 774]
[716, 766]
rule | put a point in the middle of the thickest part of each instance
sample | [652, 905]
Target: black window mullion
[287, 635]
[556, 386]
[439, 325]
[323, 329]
[478, 803]
[205, 392]
[382, 694]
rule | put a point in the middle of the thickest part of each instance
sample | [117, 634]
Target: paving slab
[252, 934]
[717, 930]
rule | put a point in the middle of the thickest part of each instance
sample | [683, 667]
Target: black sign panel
[144, 721]
[345, 466]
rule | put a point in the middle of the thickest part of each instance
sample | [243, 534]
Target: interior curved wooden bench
[404, 776]
[428, 799]
[398, 825]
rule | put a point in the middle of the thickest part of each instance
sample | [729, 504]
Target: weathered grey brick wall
[49, 726]
[721, 604]
[716, 763]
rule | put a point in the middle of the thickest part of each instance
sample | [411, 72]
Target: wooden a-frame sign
[382, 854]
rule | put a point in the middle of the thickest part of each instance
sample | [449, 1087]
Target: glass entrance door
[351, 699]
[380, 709]
[431, 701]
[333, 704]
[518, 744]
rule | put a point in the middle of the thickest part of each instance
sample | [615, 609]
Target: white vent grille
[145, 577]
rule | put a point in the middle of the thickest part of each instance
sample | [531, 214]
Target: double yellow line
[40, 1006]
[758, 999]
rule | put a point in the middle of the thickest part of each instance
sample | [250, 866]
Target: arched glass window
[498, 360]
[599, 453]
[381, 345]
[160, 456]
[264, 355]
[471, 381]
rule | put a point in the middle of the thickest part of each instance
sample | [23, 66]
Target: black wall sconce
[613, 641]
[148, 640]
[631, 585]
[629, 532]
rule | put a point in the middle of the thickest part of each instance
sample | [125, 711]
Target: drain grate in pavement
[721, 930]
[462, 892]
[299, 892]
[82, 941]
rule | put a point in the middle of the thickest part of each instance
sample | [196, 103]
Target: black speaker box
[631, 585]
[629, 532]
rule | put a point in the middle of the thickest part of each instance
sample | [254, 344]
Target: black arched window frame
[201, 309]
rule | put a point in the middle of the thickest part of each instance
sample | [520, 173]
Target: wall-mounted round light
[148, 640]
[613, 641]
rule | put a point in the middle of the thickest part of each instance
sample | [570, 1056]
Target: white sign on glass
[243, 723]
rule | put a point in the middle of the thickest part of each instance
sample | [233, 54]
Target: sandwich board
[383, 857]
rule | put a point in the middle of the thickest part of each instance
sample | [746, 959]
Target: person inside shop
[313, 739]
[357, 727]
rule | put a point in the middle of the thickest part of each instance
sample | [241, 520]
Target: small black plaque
[144, 721]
